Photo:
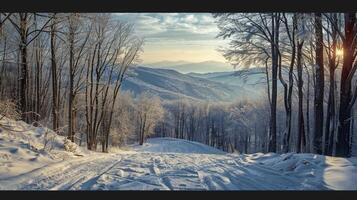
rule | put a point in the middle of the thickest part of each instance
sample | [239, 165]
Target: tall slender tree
[349, 66]
[319, 86]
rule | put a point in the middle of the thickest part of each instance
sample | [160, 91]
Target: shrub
[8, 109]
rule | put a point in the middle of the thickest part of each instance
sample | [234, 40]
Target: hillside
[197, 67]
[253, 79]
[170, 85]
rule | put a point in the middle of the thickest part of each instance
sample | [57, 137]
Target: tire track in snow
[30, 178]
[248, 179]
[157, 170]
[87, 181]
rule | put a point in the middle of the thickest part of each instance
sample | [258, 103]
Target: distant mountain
[167, 63]
[250, 79]
[170, 85]
[187, 67]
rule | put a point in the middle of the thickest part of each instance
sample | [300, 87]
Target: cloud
[186, 26]
[172, 36]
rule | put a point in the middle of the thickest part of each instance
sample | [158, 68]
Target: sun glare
[339, 52]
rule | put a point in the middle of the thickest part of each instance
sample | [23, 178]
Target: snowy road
[195, 167]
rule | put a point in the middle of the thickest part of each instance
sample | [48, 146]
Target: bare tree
[54, 74]
[301, 140]
[76, 49]
[288, 88]
[252, 34]
[115, 49]
[333, 62]
[349, 66]
[21, 22]
[319, 86]
[149, 113]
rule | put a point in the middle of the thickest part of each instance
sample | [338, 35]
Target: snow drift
[24, 147]
[328, 172]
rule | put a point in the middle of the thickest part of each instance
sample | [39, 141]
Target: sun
[339, 52]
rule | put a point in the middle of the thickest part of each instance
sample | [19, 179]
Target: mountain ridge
[196, 67]
[170, 84]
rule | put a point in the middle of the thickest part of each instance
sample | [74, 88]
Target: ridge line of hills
[170, 84]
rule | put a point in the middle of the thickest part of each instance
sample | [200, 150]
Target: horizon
[172, 37]
[186, 67]
[82, 109]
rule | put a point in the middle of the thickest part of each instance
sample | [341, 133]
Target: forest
[65, 71]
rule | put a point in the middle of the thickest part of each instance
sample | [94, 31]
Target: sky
[177, 36]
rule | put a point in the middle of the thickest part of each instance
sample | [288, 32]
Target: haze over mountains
[195, 67]
[169, 84]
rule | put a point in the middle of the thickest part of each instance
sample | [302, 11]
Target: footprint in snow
[14, 150]
[33, 159]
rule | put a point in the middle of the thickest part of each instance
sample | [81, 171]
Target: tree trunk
[301, 130]
[37, 80]
[275, 58]
[71, 88]
[142, 135]
[330, 123]
[343, 137]
[307, 137]
[54, 79]
[24, 70]
[319, 86]
[3, 74]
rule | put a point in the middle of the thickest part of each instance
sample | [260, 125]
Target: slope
[171, 85]
[161, 164]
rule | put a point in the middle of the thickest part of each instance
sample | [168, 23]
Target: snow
[173, 145]
[328, 172]
[22, 148]
[189, 67]
[160, 164]
[171, 85]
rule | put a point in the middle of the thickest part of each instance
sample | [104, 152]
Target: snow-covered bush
[48, 140]
[149, 111]
[123, 125]
[8, 109]
[69, 145]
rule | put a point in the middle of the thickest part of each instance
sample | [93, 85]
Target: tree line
[239, 126]
[313, 56]
[65, 70]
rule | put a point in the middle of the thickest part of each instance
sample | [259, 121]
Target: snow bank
[24, 148]
[328, 172]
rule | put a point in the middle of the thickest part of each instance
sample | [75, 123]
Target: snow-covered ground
[24, 147]
[160, 164]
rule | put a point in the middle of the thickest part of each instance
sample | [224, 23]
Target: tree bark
[288, 96]
[319, 86]
[343, 137]
[24, 70]
[330, 115]
[71, 86]
[307, 137]
[275, 59]
[301, 131]
[54, 78]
